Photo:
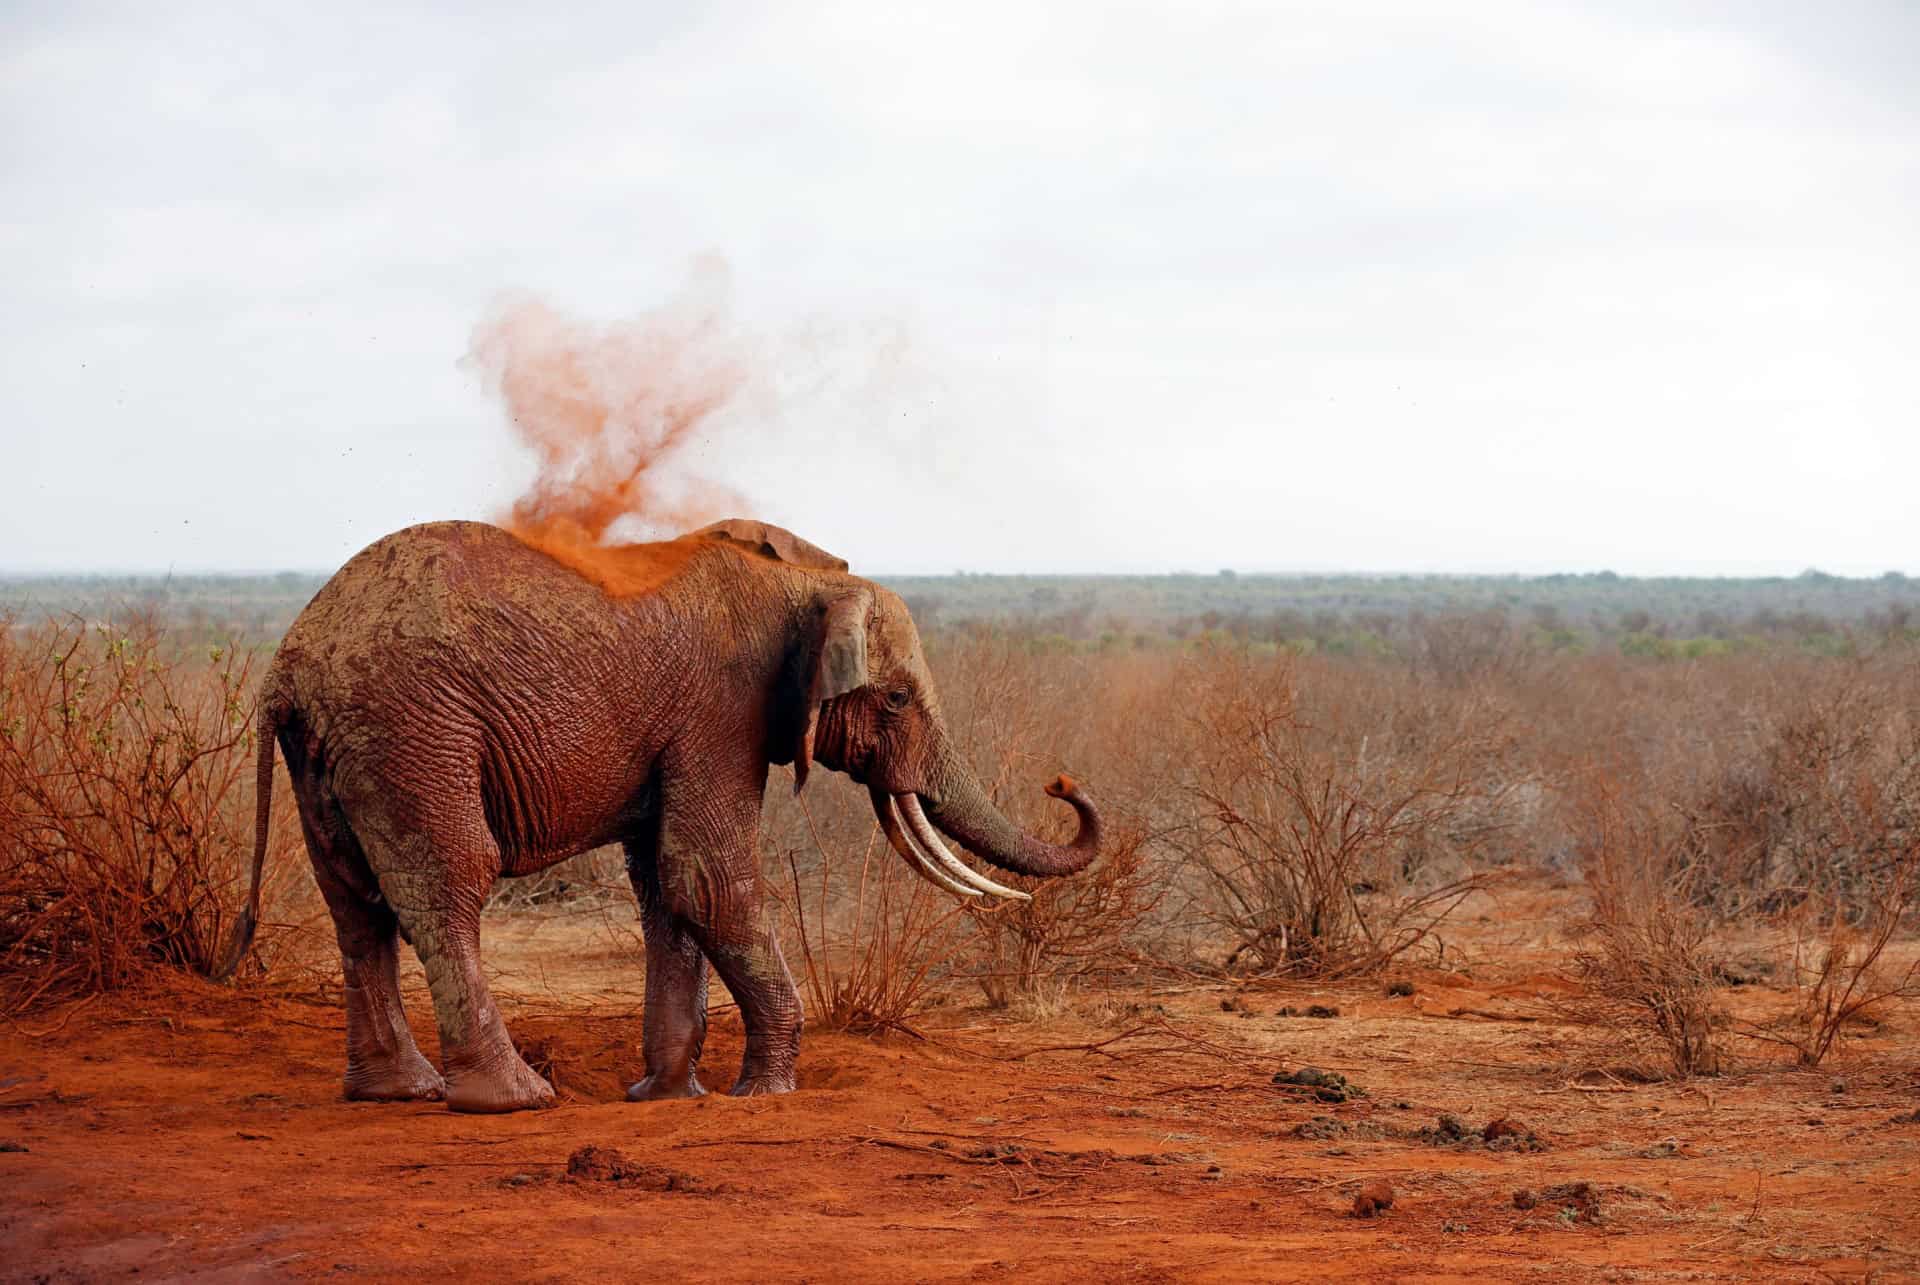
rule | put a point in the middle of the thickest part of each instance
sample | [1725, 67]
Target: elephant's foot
[497, 1086]
[763, 1084]
[408, 1078]
[662, 1087]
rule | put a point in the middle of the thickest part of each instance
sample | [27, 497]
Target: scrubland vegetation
[1281, 805]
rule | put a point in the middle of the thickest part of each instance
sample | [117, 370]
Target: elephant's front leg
[675, 1026]
[710, 880]
[747, 957]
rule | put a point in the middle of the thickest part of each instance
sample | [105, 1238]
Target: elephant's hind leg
[675, 1026]
[437, 877]
[383, 1063]
[485, 1073]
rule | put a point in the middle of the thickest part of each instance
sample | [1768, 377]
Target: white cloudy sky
[1396, 285]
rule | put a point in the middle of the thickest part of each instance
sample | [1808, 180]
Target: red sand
[191, 1129]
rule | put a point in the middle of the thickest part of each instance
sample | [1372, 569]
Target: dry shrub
[1818, 800]
[126, 807]
[1073, 928]
[874, 938]
[1312, 837]
[1652, 968]
[1018, 713]
[877, 943]
[1465, 647]
[1838, 969]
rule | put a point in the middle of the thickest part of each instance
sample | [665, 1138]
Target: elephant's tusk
[889, 816]
[929, 871]
[921, 831]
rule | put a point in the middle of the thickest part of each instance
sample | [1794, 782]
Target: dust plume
[610, 412]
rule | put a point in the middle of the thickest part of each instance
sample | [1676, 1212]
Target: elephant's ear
[770, 541]
[836, 664]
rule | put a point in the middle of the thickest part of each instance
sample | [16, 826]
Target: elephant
[459, 704]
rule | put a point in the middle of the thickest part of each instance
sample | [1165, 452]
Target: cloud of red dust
[610, 412]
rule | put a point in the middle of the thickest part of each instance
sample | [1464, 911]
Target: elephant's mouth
[905, 824]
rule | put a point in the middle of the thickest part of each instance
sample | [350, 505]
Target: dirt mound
[604, 1164]
[1582, 1199]
[1373, 1199]
[585, 1059]
[1322, 1128]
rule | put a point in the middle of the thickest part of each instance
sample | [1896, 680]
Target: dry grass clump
[1018, 714]
[126, 806]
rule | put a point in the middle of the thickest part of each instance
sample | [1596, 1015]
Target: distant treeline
[1361, 614]
[1342, 614]
[256, 608]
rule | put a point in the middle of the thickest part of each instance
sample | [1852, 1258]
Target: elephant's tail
[267, 728]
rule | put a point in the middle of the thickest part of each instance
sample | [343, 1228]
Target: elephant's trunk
[964, 813]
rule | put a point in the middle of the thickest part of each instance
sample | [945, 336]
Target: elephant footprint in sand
[456, 705]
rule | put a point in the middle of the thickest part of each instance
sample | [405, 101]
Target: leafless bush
[1817, 803]
[126, 807]
[1307, 833]
[1018, 715]
[1460, 648]
[1838, 969]
[1072, 928]
[1652, 967]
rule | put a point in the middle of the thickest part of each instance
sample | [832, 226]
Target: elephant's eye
[898, 698]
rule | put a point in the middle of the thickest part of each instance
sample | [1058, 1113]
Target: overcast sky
[1377, 286]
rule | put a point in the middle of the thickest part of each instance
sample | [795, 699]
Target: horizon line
[1811, 574]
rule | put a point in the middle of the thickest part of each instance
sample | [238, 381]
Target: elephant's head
[858, 698]
[870, 710]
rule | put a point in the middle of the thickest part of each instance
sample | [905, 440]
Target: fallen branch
[1490, 1015]
[1095, 1046]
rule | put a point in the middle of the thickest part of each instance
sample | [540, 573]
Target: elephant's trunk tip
[1062, 787]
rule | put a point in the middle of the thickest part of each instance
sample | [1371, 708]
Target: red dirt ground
[194, 1130]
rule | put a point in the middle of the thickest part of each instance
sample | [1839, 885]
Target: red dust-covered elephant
[456, 705]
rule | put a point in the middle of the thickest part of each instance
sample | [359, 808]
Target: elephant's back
[421, 583]
[429, 574]
[443, 606]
